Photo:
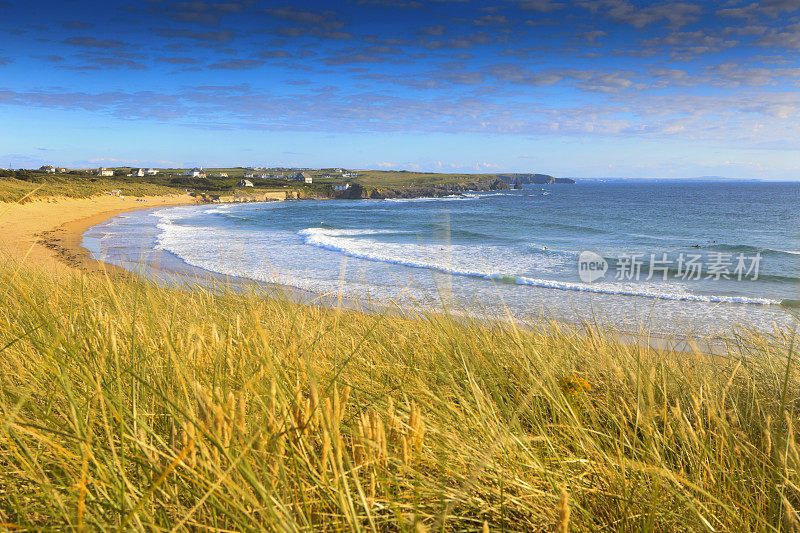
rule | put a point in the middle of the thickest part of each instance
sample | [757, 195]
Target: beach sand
[48, 233]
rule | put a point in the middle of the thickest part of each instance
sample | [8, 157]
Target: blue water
[508, 252]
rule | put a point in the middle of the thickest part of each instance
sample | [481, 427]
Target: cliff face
[536, 179]
[425, 191]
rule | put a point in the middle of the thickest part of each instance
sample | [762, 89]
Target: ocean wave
[407, 255]
[452, 197]
[333, 232]
[570, 286]
[535, 246]
[473, 260]
[573, 227]
[746, 249]
[221, 210]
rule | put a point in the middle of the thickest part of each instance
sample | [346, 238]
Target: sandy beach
[47, 233]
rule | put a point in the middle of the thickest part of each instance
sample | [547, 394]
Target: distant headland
[243, 184]
[534, 179]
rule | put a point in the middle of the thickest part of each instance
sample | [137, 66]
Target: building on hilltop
[349, 174]
[151, 172]
[50, 169]
[103, 171]
[303, 177]
[137, 172]
[195, 173]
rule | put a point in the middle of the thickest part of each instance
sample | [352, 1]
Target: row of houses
[102, 171]
[344, 173]
[50, 169]
[340, 187]
[141, 172]
[302, 177]
[136, 172]
[200, 173]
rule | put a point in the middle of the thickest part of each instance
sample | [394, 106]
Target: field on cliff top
[23, 186]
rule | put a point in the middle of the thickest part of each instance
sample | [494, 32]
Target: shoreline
[48, 233]
[191, 274]
[59, 244]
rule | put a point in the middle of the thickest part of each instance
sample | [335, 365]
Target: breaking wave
[353, 243]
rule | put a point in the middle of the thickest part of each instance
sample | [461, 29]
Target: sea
[663, 257]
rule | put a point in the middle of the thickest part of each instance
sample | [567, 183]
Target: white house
[341, 187]
[103, 171]
[195, 173]
[245, 183]
[349, 174]
[249, 175]
[222, 175]
[50, 169]
[137, 172]
[151, 172]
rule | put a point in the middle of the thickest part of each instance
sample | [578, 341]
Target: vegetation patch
[131, 405]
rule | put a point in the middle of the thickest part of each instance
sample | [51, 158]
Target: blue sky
[588, 88]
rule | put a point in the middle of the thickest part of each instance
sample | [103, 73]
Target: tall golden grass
[131, 406]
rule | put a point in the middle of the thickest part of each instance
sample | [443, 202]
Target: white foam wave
[217, 210]
[443, 258]
[432, 199]
[605, 289]
[467, 196]
[472, 260]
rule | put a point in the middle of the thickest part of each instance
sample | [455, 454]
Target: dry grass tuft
[138, 407]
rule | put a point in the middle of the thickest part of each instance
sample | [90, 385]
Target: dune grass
[46, 187]
[127, 405]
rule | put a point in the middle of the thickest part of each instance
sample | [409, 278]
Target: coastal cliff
[425, 191]
[535, 179]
